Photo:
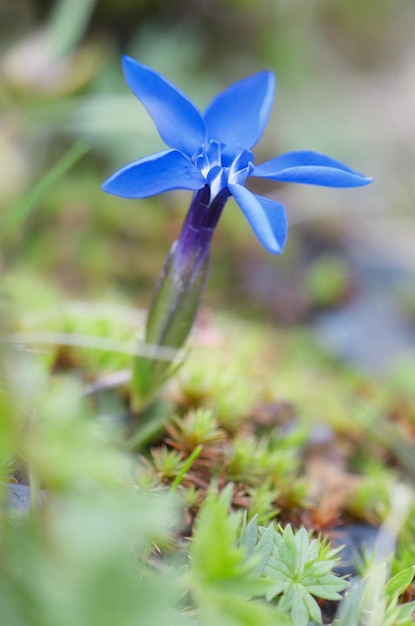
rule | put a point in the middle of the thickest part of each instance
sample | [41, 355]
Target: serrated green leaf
[327, 591]
[275, 589]
[288, 599]
[221, 579]
[285, 548]
[302, 544]
[315, 569]
[400, 582]
[299, 612]
[291, 561]
[313, 550]
[276, 566]
[259, 587]
[313, 608]
[263, 550]
[249, 534]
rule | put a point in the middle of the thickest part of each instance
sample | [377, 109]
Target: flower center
[220, 170]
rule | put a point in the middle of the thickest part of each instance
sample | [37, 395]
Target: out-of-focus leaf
[19, 213]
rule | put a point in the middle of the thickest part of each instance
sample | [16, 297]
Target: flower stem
[177, 295]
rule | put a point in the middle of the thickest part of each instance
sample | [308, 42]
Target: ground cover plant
[225, 516]
[209, 461]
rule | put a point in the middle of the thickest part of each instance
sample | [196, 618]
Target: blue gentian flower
[210, 153]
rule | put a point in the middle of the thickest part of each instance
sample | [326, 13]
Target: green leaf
[222, 577]
[349, 608]
[215, 555]
[404, 612]
[328, 590]
[249, 534]
[263, 550]
[297, 572]
[312, 607]
[313, 550]
[275, 589]
[67, 24]
[224, 609]
[318, 569]
[19, 213]
[299, 612]
[400, 582]
[302, 545]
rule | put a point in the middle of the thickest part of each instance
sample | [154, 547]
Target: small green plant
[253, 461]
[168, 463]
[262, 502]
[198, 427]
[374, 600]
[257, 574]
[293, 567]
[222, 578]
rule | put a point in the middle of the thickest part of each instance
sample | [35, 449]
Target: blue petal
[178, 121]
[238, 116]
[266, 217]
[154, 174]
[311, 168]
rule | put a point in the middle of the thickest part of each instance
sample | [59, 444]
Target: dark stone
[357, 540]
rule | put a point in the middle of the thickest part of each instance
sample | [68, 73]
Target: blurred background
[346, 87]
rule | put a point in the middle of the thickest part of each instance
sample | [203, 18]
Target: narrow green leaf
[249, 534]
[400, 582]
[299, 611]
[313, 608]
[326, 593]
[349, 608]
[313, 550]
[317, 568]
[186, 466]
[215, 555]
[19, 213]
[288, 549]
[68, 23]
[405, 611]
[275, 589]
[228, 609]
[263, 550]
[302, 544]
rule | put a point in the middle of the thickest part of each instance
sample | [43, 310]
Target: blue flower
[210, 153]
